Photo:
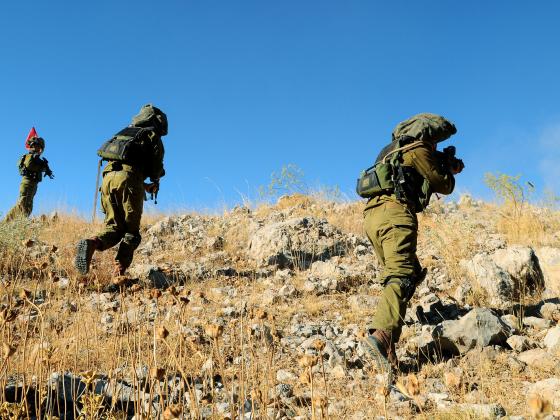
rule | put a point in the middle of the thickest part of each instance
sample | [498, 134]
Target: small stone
[288, 291]
[484, 410]
[550, 311]
[338, 372]
[518, 343]
[537, 323]
[285, 376]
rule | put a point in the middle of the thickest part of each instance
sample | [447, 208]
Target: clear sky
[252, 85]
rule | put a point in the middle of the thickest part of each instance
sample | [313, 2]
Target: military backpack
[126, 146]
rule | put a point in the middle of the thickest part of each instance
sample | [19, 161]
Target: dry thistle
[155, 293]
[7, 350]
[157, 373]
[452, 380]
[120, 280]
[538, 406]
[261, 314]
[383, 390]
[162, 333]
[9, 315]
[412, 385]
[44, 265]
[361, 334]
[308, 361]
[172, 412]
[214, 330]
[135, 288]
[29, 243]
[318, 345]
[305, 377]
[172, 291]
[24, 294]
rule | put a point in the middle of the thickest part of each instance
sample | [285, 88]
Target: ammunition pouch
[375, 181]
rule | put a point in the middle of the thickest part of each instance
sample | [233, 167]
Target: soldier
[390, 222]
[133, 154]
[31, 168]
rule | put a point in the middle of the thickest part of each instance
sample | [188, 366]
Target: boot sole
[376, 353]
[82, 261]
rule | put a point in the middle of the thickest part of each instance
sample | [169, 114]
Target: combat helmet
[426, 127]
[35, 141]
[151, 117]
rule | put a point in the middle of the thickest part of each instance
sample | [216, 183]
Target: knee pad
[132, 240]
[407, 285]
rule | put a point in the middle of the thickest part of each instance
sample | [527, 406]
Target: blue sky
[250, 86]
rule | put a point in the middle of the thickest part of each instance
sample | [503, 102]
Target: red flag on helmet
[32, 133]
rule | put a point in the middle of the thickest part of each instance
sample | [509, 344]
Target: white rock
[549, 258]
[538, 323]
[552, 339]
[518, 343]
[285, 376]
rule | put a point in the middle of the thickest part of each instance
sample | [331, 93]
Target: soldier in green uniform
[31, 168]
[133, 154]
[392, 227]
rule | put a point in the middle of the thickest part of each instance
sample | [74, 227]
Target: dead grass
[58, 330]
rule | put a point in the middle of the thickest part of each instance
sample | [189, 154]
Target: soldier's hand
[151, 188]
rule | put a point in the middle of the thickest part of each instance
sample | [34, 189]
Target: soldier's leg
[398, 238]
[133, 203]
[28, 190]
[24, 205]
[111, 205]
[110, 235]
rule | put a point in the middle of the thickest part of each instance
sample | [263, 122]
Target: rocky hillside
[260, 313]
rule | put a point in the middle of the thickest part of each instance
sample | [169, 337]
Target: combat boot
[381, 348]
[84, 254]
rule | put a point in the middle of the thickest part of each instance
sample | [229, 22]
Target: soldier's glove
[152, 188]
[49, 173]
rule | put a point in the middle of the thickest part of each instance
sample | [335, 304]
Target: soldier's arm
[425, 162]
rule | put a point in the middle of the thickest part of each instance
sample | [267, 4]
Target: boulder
[478, 328]
[296, 242]
[505, 274]
[549, 258]
[552, 340]
[539, 358]
[548, 389]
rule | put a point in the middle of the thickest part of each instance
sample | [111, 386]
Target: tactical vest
[126, 146]
[23, 171]
[388, 176]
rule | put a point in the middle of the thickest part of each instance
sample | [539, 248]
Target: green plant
[289, 180]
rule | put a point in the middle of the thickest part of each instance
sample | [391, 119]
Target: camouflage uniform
[122, 201]
[32, 167]
[392, 227]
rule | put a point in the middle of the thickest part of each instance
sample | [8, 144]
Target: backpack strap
[402, 149]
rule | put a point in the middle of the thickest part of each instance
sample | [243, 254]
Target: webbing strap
[403, 149]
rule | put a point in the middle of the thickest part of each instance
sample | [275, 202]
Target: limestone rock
[549, 258]
[506, 273]
[478, 328]
[296, 242]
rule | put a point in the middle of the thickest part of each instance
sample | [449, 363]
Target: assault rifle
[448, 160]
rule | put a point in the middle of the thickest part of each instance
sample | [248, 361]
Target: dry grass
[55, 329]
